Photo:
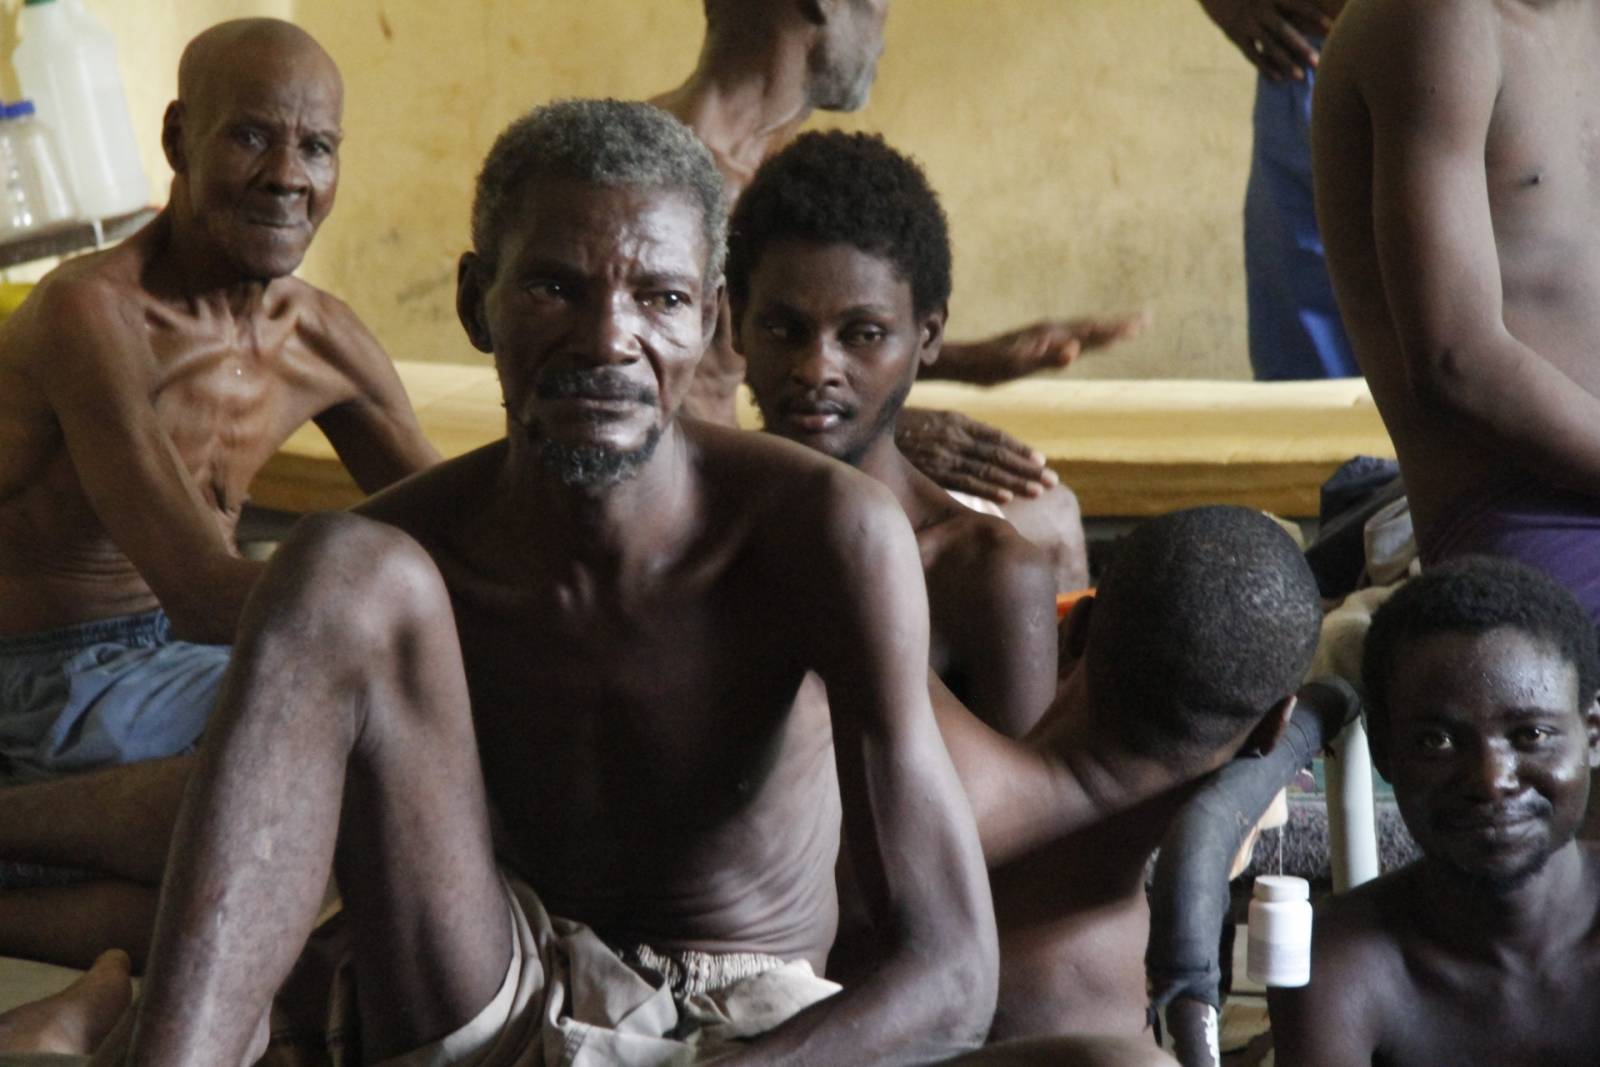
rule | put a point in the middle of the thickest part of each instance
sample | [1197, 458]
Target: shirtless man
[141, 389]
[764, 67]
[1188, 655]
[838, 277]
[638, 605]
[1481, 678]
[1457, 185]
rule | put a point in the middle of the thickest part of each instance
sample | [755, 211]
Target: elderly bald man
[141, 389]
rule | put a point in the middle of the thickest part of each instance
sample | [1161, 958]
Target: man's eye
[865, 335]
[1530, 735]
[778, 331]
[250, 138]
[549, 290]
[1433, 741]
[319, 149]
[667, 300]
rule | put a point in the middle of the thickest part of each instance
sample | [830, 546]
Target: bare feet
[78, 1018]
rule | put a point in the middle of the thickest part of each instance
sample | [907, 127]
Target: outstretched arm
[1047, 345]
[913, 844]
[374, 430]
[94, 370]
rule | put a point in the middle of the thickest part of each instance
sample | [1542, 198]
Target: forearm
[1511, 400]
[961, 361]
[913, 1009]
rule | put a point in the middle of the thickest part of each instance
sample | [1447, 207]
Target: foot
[76, 1020]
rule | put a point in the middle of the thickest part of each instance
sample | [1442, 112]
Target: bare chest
[227, 396]
[1480, 1015]
[644, 725]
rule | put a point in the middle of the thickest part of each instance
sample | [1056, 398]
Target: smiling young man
[612, 629]
[141, 389]
[1481, 681]
[839, 277]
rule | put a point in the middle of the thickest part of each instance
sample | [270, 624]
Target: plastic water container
[18, 195]
[67, 64]
[1280, 932]
[38, 150]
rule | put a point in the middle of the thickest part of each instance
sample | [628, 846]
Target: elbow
[963, 989]
[1441, 380]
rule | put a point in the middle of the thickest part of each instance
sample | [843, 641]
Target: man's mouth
[1497, 825]
[810, 416]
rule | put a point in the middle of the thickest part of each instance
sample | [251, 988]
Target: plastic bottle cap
[21, 109]
[1274, 887]
[31, 3]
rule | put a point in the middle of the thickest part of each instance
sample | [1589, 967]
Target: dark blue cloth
[110, 691]
[1295, 329]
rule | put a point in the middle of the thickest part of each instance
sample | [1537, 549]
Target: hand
[1046, 345]
[1272, 33]
[965, 455]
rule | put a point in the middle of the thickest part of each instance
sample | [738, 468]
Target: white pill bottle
[67, 63]
[1280, 932]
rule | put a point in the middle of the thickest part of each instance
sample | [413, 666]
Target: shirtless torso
[133, 417]
[1458, 188]
[141, 388]
[1406, 984]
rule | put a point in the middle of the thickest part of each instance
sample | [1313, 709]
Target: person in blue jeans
[1295, 329]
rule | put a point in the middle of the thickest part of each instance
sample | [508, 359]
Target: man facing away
[764, 67]
[1456, 190]
[602, 629]
[141, 389]
[1481, 678]
[838, 279]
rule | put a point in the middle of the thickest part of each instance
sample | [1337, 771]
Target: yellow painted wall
[1091, 153]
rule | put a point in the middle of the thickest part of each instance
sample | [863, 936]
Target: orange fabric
[1065, 601]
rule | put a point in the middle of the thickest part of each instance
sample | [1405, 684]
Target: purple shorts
[1549, 529]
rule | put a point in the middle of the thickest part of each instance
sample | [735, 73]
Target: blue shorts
[110, 691]
[1295, 329]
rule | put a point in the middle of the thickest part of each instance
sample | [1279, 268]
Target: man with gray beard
[613, 630]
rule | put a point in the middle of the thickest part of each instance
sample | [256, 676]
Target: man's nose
[817, 365]
[611, 329]
[1492, 772]
[284, 173]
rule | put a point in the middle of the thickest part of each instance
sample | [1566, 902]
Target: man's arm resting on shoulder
[913, 844]
[93, 372]
[1430, 86]
[967, 456]
[375, 432]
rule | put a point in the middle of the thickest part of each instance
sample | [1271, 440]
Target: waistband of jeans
[147, 627]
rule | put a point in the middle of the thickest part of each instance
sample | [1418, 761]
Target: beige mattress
[1126, 447]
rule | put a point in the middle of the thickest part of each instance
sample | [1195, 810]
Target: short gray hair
[603, 142]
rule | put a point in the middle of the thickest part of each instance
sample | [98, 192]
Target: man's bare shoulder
[782, 482]
[434, 504]
[1379, 42]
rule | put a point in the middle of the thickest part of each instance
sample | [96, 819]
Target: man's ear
[931, 336]
[711, 312]
[1591, 729]
[472, 281]
[1269, 731]
[172, 137]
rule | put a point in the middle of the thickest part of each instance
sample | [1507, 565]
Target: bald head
[253, 140]
[251, 49]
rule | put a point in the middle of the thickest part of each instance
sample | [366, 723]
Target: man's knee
[341, 582]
